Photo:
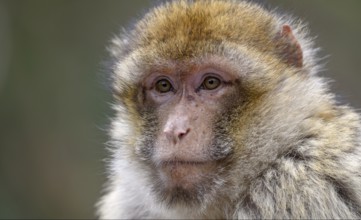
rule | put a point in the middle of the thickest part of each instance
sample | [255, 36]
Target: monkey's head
[204, 90]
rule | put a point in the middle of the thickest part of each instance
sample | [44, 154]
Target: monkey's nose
[177, 134]
[181, 133]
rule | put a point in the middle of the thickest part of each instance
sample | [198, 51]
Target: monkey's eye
[163, 86]
[210, 83]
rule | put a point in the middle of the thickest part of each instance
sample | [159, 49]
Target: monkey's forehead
[175, 29]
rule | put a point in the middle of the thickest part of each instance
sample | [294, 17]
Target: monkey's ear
[288, 47]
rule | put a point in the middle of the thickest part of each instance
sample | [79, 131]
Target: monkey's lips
[185, 174]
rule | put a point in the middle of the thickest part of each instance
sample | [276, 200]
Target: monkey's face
[191, 88]
[184, 142]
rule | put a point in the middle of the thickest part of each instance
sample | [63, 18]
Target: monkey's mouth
[182, 163]
[185, 174]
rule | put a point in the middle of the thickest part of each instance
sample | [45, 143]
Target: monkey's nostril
[175, 136]
[182, 134]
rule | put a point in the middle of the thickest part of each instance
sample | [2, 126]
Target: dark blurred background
[54, 102]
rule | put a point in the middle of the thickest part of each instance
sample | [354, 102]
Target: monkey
[220, 113]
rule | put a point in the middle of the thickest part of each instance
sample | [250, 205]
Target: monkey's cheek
[186, 176]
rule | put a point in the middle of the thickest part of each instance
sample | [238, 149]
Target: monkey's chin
[184, 174]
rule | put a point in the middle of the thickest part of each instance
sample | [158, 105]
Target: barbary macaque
[221, 113]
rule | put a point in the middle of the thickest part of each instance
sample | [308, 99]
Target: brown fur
[296, 153]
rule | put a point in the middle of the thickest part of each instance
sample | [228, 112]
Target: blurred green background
[54, 102]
